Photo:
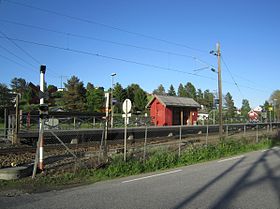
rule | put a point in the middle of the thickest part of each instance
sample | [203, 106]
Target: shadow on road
[202, 189]
[241, 184]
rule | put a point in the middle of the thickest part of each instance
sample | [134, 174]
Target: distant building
[202, 115]
[172, 110]
[61, 89]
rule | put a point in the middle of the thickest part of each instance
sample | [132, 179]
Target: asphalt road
[250, 181]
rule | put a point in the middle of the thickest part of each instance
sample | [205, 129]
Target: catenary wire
[106, 41]
[110, 57]
[105, 25]
[24, 51]
[128, 61]
[235, 83]
[13, 61]
[27, 53]
[26, 62]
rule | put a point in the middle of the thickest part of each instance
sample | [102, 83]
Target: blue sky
[248, 32]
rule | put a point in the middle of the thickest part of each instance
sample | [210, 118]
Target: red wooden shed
[172, 110]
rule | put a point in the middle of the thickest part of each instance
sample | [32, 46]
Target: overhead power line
[105, 25]
[26, 62]
[13, 61]
[112, 58]
[106, 41]
[123, 60]
[235, 83]
[24, 51]
[129, 61]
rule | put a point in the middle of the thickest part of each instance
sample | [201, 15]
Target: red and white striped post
[41, 130]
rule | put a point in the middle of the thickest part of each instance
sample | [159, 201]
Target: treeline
[89, 98]
[74, 97]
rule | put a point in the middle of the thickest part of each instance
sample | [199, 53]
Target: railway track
[95, 135]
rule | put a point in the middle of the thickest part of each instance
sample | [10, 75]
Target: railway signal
[43, 114]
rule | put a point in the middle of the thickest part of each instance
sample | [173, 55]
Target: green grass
[158, 159]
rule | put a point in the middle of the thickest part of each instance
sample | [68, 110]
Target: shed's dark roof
[175, 101]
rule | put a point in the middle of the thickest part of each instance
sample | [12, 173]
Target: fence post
[93, 121]
[145, 142]
[74, 122]
[5, 123]
[207, 132]
[267, 128]
[257, 133]
[227, 131]
[180, 140]
[244, 133]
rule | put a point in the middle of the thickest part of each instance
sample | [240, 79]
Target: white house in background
[61, 89]
[257, 109]
[202, 116]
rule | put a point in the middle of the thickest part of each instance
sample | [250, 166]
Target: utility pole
[218, 54]
[220, 91]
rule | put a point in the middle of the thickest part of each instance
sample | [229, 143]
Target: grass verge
[158, 159]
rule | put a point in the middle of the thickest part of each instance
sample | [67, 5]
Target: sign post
[126, 109]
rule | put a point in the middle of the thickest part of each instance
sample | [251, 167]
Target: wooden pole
[220, 91]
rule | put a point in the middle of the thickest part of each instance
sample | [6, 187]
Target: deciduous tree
[95, 99]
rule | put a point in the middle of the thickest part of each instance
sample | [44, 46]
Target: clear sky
[149, 42]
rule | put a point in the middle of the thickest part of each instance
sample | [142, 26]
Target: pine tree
[208, 98]
[199, 96]
[131, 90]
[140, 100]
[5, 97]
[229, 103]
[245, 107]
[74, 97]
[181, 91]
[160, 90]
[120, 95]
[190, 90]
[19, 85]
[171, 91]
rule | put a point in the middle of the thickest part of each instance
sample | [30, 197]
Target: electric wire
[112, 58]
[27, 53]
[106, 41]
[235, 83]
[105, 25]
[129, 61]
[26, 62]
[20, 48]
[13, 61]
